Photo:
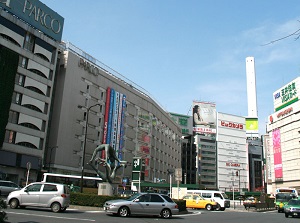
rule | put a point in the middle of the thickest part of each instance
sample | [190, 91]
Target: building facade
[28, 49]
[232, 153]
[140, 127]
[283, 138]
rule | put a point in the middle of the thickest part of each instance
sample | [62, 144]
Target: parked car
[292, 208]
[196, 201]
[7, 186]
[143, 204]
[41, 194]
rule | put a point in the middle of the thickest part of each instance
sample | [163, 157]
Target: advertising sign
[204, 118]
[113, 130]
[277, 154]
[252, 125]
[36, 14]
[286, 95]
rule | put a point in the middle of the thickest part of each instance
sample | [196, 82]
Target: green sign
[137, 164]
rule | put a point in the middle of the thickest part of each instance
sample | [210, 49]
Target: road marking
[189, 214]
[37, 215]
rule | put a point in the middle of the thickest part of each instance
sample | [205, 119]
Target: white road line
[37, 215]
[194, 213]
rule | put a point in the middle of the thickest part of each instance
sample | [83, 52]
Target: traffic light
[237, 173]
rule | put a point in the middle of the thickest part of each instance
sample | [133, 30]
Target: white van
[214, 195]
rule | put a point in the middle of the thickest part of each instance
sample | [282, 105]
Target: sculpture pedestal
[105, 189]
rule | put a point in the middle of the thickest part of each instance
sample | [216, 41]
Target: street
[37, 215]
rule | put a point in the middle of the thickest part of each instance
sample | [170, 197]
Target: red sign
[232, 125]
[285, 112]
[233, 164]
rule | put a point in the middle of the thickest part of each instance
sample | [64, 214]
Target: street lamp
[50, 158]
[84, 145]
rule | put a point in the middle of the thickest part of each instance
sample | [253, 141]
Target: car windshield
[294, 202]
[225, 196]
[283, 197]
[134, 196]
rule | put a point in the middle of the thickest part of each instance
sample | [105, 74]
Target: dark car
[143, 204]
[292, 208]
[8, 186]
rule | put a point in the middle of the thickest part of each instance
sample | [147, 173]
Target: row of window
[10, 137]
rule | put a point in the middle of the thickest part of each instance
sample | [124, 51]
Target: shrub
[3, 205]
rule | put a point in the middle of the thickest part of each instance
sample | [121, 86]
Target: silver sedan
[143, 204]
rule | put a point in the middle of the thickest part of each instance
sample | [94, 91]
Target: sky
[185, 50]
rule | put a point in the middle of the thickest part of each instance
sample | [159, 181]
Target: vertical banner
[119, 124]
[277, 154]
[110, 116]
[106, 115]
[114, 117]
[115, 120]
[122, 133]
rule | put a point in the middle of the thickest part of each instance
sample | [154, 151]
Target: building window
[20, 79]
[29, 41]
[23, 61]
[10, 136]
[13, 117]
[17, 98]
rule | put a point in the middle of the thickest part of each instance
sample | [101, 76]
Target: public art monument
[110, 161]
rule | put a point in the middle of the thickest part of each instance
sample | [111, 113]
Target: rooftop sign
[36, 14]
[286, 95]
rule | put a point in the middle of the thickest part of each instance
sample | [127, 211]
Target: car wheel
[123, 211]
[222, 209]
[218, 208]
[208, 207]
[14, 203]
[56, 207]
[286, 215]
[166, 213]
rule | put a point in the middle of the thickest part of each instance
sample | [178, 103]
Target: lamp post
[50, 158]
[170, 172]
[84, 145]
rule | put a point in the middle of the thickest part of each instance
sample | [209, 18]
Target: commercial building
[232, 153]
[65, 103]
[28, 55]
[282, 141]
[95, 105]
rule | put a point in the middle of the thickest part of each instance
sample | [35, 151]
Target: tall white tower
[251, 87]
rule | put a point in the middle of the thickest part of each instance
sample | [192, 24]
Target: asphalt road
[74, 215]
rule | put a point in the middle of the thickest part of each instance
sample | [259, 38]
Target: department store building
[58, 103]
[283, 153]
[28, 56]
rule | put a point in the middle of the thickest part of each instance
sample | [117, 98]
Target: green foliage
[181, 205]
[8, 69]
[3, 205]
[93, 200]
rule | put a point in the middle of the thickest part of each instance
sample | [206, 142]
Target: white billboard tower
[252, 119]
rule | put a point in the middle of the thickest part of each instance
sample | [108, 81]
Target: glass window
[34, 187]
[156, 198]
[144, 198]
[50, 187]
[29, 41]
